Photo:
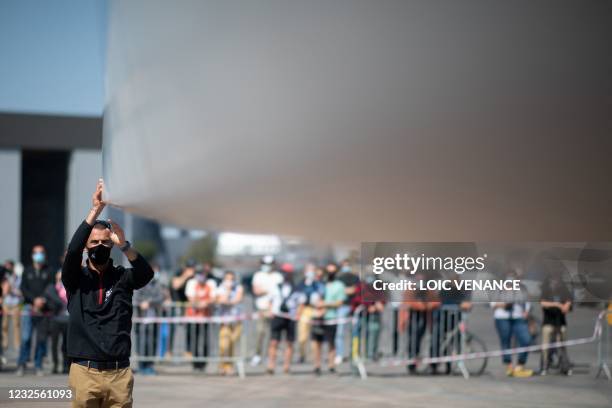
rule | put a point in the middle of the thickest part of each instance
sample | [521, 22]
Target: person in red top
[200, 297]
[414, 316]
[369, 304]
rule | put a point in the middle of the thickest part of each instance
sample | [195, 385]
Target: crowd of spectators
[314, 307]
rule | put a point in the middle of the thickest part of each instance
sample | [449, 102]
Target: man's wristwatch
[125, 246]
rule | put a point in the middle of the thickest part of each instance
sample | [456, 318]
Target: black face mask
[99, 254]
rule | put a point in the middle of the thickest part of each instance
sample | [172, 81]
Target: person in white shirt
[228, 298]
[264, 282]
[285, 307]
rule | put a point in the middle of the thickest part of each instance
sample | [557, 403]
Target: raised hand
[96, 199]
[97, 204]
[118, 238]
[117, 234]
[188, 272]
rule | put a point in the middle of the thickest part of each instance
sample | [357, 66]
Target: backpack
[284, 308]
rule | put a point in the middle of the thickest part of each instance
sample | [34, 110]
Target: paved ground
[386, 386]
[177, 390]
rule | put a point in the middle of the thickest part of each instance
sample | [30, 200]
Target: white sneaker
[255, 360]
[40, 372]
[338, 360]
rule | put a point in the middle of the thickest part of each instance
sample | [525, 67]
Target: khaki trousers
[229, 334]
[547, 338]
[262, 329]
[101, 389]
[303, 329]
[12, 313]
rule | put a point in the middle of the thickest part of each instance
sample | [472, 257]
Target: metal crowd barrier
[395, 336]
[171, 337]
[604, 345]
[12, 339]
[415, 339]
[440, 336]
[166, 335]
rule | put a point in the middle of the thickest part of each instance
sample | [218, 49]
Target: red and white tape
[230, 319]
[498, 353]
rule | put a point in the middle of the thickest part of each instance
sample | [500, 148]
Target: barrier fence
[416, 339]
[173, 337]
[442, 337]
[604, 359]
[198, 340]
[393, 337]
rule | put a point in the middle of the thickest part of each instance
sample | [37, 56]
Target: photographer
[100, 307]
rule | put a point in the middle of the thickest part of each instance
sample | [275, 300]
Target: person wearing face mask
[264, 283]
[148, 301]
[325, 321]
[372, 304]
[311, 284]
[200, 296]
[351, 283]
[100, 307]
[228, 298]
[285, 307]
[34, 281]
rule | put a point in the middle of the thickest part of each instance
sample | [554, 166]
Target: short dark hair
[103, 223]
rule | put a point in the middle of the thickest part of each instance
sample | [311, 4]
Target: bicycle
[466, 343]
